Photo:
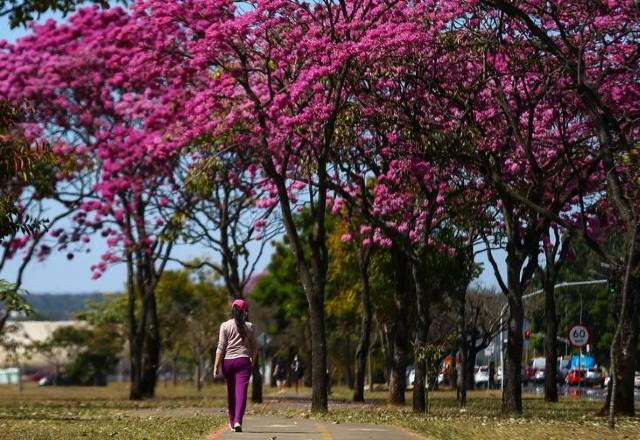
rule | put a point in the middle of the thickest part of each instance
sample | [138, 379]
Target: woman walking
[237, 350]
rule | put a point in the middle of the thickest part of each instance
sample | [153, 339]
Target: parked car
[481, 377]
[636, 380]
[564, 367]
[411, 377]
[594, 377]
[46, 381]
[497, 377]
[535, 370]
[576, 377]
[538, 363]
[539, 376]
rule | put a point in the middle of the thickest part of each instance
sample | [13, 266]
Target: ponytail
[239, 316]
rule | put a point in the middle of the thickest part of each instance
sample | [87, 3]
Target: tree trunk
[151, 360]
[364, 343]
[461, 364]
[512, 391]
[311, 265]
[624, 353]
[198, 373]
[349, 364]
[256, 387]
[397, 377]
[470, 363]
[3, 319]
[386, 346]
[319, 379]
[135, 341]
[420, 393]
[174, 372]
[550, 344]
[135, 370]
[518, 276]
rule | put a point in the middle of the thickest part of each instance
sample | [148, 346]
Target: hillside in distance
[61, 306]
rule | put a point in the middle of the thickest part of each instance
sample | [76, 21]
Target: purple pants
[236, 374]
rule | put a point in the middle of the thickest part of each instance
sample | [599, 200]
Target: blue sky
[59, 275]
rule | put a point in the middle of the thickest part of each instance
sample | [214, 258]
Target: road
[587, 393]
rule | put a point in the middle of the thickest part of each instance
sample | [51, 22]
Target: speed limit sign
[579, 335]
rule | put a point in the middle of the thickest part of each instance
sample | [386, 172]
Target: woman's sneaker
[237, 427]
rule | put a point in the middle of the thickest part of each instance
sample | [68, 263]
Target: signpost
[579, 335]
[263, 340]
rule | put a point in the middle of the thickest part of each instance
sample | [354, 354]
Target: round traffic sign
[579, 335]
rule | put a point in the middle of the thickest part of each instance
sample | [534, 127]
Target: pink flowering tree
[594, 47]
[405, 207]
[515, 135]
[521, 135]
[97, 103]
[277, 75]
[394, 183]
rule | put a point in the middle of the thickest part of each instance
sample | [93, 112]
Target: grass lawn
[182, 413]
[568, 419]
[105, 412]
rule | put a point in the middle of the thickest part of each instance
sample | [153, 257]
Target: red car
[576, 377]
[531, 373]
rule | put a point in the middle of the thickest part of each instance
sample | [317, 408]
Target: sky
[58, 275]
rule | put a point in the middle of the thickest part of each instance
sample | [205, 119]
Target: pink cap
[241, 304]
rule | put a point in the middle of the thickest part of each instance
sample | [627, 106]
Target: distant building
[18, 335]
[9, 376]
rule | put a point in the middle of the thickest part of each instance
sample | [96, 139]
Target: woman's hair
[239, 316]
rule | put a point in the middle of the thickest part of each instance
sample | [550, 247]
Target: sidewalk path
[282, 428]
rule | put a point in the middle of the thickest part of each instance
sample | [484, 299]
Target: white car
[594, 376]
[411, 377]
[636, 380]
[481, 377]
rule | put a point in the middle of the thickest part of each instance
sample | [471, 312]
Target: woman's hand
[216, 365]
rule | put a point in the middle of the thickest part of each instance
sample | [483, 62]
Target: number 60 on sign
[579, 335]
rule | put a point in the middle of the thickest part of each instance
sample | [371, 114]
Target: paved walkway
[282, 428]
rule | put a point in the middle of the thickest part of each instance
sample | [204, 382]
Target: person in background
[236, 353]
[297, 372]
[280, 374]
[492, 372]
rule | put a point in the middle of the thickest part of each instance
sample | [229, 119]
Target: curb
[410, 433]
[217, 434]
